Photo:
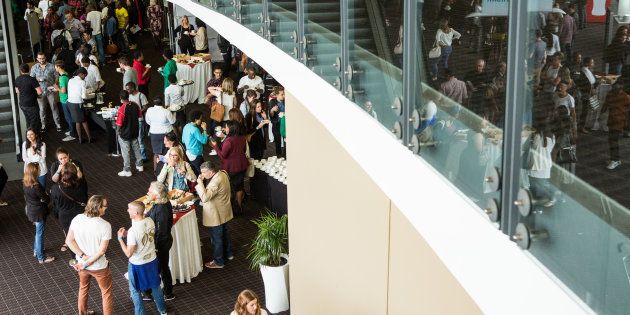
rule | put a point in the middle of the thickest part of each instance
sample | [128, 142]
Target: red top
[232, 154]
[121, 114]
[140, 68]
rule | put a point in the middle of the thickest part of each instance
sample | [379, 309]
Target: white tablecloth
[185, 255]
[200, 74]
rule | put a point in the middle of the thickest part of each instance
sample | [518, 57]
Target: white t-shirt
[139, 99]
[89, 233]
[159, 119]
[43, 5]
[93, 58]
[253, 84]
[567, 101]
[39, 158]
[430, 110]
[76, 90]
[142, 234]
[94, 18]
[93, 77]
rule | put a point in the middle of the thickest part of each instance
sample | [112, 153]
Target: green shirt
[169, 68]
[63, 83]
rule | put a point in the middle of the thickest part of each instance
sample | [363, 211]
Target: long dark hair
[235, 128]
[38, 145]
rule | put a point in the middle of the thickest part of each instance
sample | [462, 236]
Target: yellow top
[122, 16]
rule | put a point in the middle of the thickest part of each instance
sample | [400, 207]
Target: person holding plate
[169, 68]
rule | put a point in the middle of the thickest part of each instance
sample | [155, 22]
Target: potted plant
[268, 253]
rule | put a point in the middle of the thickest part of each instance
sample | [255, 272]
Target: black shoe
[147, 297]
[91, 140]
[169, 297]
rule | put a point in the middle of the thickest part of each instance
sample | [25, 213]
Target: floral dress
[155, 18]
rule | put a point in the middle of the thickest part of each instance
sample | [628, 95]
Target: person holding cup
[44, 73]
[185, 35]
[144, 72]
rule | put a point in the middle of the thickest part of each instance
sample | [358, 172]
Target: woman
[587, 83]
[247, 304]
[235, 115]
[541, 146]
[233, 160]
[144, 72]
[255, 122]
[248, 102]
[160, 121]
[34, 151]
[201, 37]
[176, 173]
[59, 35]
[110, 27]
[185, 38]
[69, 197]
[155, 14]
[49, 25]
[135, 20]
[226, 96]
[36, 209]
[566, 154]
[615, 53]
[444, 38]
[618, 104]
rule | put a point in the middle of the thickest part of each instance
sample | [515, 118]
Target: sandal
[48, 259]
[64, 247]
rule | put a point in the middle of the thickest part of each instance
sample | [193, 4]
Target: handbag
[251, 168]
[82, 204]
[217, 111]
[593, 101]
[111, 48]
[568, 151]
[435, 52]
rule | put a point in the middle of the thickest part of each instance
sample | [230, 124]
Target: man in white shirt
[95, 18]
[93, 80]
[76, 94]
[142, 101]
[250, 82]
[174, 94]
[88, 238]
[140, 248]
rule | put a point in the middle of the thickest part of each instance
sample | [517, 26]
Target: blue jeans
[99, 47]
[221, 244]
[38, 245]
[42, 181]
[441, 61]
[66, 115]
[143, 152]
[196, 164]
[138, 305]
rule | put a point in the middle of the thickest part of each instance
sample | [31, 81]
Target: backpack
[60, 39]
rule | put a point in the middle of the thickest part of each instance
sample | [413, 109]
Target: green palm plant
[270, 242]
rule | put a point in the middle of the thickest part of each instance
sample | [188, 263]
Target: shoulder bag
[217, 111]
[82, 204]
[436, 51]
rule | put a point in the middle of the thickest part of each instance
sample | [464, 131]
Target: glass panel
[461, 97]
[322, 42]
[581, 113]
[282, 22]
[250, 15]
[373, 82]
[225, 7]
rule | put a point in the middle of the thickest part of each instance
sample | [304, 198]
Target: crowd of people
[207, 155]
[564, 99]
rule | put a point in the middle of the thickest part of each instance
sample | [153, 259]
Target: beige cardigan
[166, 174]
[215, 198]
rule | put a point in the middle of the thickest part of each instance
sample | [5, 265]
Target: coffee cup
[147, 66]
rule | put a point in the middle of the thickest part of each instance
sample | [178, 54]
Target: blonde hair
[246, 296]
[152, 2]
[94, 205]
[137, 207]
[30, 175]
[185, 18]
[228, 86]
[177, 150]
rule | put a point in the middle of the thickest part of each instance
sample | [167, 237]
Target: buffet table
[269, 192]
[200, 73]
[185, 255]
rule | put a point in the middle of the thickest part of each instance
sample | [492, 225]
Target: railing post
[410, 73]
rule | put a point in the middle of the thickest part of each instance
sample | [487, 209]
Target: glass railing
[458, 123]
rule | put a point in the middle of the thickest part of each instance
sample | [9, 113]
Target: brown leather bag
[111, 48]
[217, 111]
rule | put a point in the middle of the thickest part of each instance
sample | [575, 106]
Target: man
[476, 81]
[75, 27]
[143, 263]
[173, 95]
[94, 18]
[277, 111]
[618, 105]
[62, 89]
[44, 73]
[128, 126]
[453, 88]
[169, 68]
[141, 100]
[217, 210]
[214, 84]
[538, 56]
[250, 82]
[63, 158]
[76, 94]
[88, 238]
[568, 29]
[28, 90]
[162, 215]
[129, 73]
[194, 140]
[93, 80]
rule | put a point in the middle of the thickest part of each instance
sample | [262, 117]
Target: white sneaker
[613, 165]
[124, 173]
[140, 168]
[67, 133]
[68, 138]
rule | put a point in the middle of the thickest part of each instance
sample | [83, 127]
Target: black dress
[67, 202]
[185, 41]
[257, 143]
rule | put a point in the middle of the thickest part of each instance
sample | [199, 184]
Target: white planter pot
[276, 280]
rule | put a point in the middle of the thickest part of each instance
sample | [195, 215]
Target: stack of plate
[275, 167]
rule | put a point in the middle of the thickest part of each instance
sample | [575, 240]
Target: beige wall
[351, 252]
